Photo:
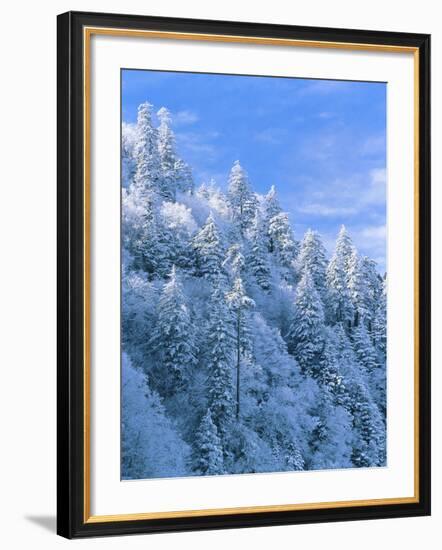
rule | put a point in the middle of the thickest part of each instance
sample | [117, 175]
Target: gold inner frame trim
[87, 34]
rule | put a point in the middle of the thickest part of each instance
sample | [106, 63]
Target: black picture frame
[72, 521]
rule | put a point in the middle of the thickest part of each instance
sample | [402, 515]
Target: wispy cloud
[191, 144]
[329, 211]
[374, 145]
[184, 118]
[347, 197]
[324, 87]
[271, 136]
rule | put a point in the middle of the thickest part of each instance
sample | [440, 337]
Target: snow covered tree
[167, 156]
[208, 248]
[173, 339]
[365, 287]
[258, 262]
[282, 240]
[148, 172]
[373, 368]
[151, 446]
[271, 204]
[150, 245]
[241, 199]
[207, 456]
[271, 208]
[364, 348]
[183, 177]
[380, 324]
[220, 362]
[128, 163]
[239, 303]
[369, 445]
[340, 306]
[331, 438]
[306, 334]
[235, 261]
[312, 258]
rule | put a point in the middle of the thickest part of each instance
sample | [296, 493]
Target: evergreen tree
[167, 156]
[148, 172]
[235, 261]
[239, 303]
[151, 447]
[183, 177]
[282, 240]
[241, 199]
[365, 288]
[340, 306]
[207, 457]
[208, 250]
[369, 444]
[364, 349]
[312, 258]
[380, 324]
[220, 345]
[306, 333]
[150, 245]
[173, 339]
[331, 438]
[271, 208]
[128, 163]
[258, 258]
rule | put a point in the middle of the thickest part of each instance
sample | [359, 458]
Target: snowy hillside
[244, 349]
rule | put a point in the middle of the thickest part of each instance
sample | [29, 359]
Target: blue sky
[322, 143]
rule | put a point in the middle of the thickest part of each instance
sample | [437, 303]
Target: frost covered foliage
[244, 349]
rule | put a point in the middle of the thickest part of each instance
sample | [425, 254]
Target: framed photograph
[243, 274]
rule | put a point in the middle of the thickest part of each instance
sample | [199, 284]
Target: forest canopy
[245, 347]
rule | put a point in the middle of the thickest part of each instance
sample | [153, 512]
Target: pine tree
[369, 445]
[235, 261]
[150, 446]
[365, 288]
[282, 240]
[167, 156]
[258, 258]
[271, 208]
[312, 258]
[380, 324]
[150, 246]
[173, 339]
[364, 349]
[128, 164]
[207, 453]
[241, 199]
[306, 333]
[239, 303]
[183, 177]
[220, 362]
[208, 249]
[148, 172]
[340, 306]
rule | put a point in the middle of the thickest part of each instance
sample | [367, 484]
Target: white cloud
[184, 118]
[192, 143]
[348, 197]
[329, 211]
[374, 145]
[271, 136]
[324, 87]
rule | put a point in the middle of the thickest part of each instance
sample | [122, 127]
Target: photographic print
[254, 277]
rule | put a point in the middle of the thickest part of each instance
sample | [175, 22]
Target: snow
[244, 350]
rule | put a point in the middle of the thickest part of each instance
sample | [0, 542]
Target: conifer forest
[246, 347]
